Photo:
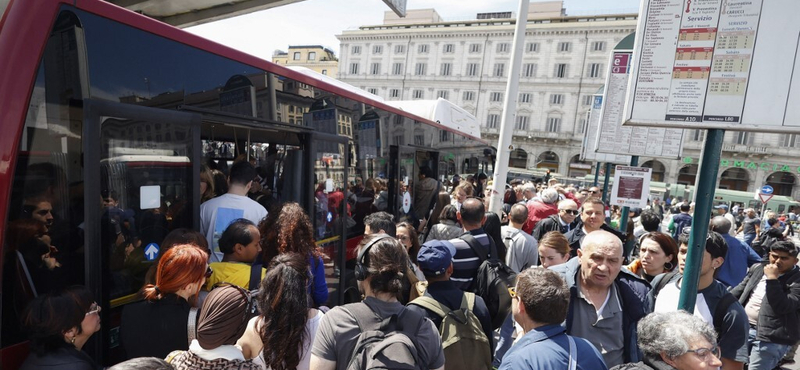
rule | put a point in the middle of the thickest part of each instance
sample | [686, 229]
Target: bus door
[405, 163]
[142, 181]
[331, 214]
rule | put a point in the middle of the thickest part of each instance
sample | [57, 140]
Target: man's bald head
[472, 212]
[720, 224]
[601, 259]
[518, 214]
[600, 239]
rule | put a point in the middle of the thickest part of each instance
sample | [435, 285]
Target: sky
[317, 22]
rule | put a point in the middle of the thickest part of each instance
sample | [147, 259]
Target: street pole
[623, 221]
[605, 182]
[504, 144]
[705, 184]
[596, 173]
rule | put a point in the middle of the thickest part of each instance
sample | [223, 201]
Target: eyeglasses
[209, 271]
[512, 291]
[573, 212]
[706, 353]
[594, 191]
[94, 309]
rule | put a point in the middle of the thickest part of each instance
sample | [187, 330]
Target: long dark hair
[284, 310]
[287, 230]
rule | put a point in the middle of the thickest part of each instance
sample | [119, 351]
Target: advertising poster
[631, 186]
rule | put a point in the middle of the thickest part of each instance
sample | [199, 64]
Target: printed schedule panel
[616, 139]
[589, 148]
[729, 64]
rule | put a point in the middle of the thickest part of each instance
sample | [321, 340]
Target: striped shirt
[465, 261]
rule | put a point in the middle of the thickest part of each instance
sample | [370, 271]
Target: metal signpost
[765, 194]
[714, 65]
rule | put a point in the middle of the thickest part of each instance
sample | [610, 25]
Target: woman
[381, 263]
[181, 272]
[289, 231]
[448, 227]
[675, 341]
[658, 254]
[553, 249]
[223, 319]
[280, 338]
[409, 239]
[58, 325]
[461, 193]
[206, 184]
[177, 237]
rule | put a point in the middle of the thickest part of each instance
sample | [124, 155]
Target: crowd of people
[577, 291]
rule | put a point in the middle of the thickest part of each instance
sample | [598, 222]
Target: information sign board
[716, 64]
[617, 139]
[631, 186]
[589, 146]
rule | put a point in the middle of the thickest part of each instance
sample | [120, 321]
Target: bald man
[606, 302]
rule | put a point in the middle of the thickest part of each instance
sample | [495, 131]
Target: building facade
[565, 60]
[314, 57]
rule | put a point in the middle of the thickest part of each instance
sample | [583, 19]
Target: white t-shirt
[305, 355]
[216, 214]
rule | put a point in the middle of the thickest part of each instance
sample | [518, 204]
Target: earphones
[361, 265]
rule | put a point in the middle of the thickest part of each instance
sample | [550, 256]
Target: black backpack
[719, 312]
[492, 280]
[385, 344]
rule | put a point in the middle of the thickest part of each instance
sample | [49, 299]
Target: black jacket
[65, 358]
[551, 223]
[778, 320]
[576, 235]
[155, 328]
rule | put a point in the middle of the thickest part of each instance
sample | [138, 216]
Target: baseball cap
[722, 206]
[435, 256]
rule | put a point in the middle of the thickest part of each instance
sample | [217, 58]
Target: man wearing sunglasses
[564, 221]
[539, 304]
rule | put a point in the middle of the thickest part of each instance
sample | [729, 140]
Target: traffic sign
[151, 251]
[766, 189]
[764, 197]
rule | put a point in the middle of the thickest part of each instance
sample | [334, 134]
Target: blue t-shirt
[547, 348]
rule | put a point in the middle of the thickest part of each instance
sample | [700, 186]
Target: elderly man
[606, 302]
[540, 208]
[563, 221]
[539, 305]
[722, 210]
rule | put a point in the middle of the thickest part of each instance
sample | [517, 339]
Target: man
[648, 222]
[435, 259]
[424, 191]
[605, 302]
[40, 210]
[521, 248]
[541, 208]
[240, 245]
[771, 297]
[595, 192]
[522, 252]
[592, 217]
[582, 195]
[563, 221]
[657, 207]
[680, 221]
[751, 226]
[739, 257]
[465, 262]
[722, 210]
[380, 223]
[730, 322]
[528, 192]
[216, 214]
[539, 306]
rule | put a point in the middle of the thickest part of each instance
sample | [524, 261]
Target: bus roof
[441, 111]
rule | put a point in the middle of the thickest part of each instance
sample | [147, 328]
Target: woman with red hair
[158, 325]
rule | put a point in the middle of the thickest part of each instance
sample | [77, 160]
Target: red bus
[99, 100]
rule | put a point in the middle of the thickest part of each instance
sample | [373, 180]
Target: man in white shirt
[216, 214]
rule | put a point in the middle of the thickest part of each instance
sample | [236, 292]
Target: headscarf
[223, 318]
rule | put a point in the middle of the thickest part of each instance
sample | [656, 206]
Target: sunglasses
[93, 309]
[209, 271]
[512, 291]
[573, 212]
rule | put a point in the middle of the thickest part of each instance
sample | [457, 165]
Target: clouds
[316, 22]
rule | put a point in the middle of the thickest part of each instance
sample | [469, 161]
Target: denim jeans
[748, 238]
[765, 355]
[505, 341]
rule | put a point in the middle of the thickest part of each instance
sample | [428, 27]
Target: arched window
[549, 160]
[734, 179]
[658, 170]
[518, 159]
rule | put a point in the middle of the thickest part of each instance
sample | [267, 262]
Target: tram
[99, 100]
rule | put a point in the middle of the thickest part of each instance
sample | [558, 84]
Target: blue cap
[435, 256]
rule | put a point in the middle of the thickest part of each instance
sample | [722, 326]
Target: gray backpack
[385, 344]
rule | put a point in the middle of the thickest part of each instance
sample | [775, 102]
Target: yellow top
[236, 273]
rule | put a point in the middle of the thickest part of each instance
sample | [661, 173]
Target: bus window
[44, 244]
